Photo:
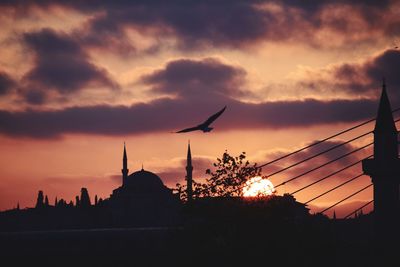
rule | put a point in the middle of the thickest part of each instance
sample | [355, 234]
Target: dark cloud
[361, 79]
[385, 65]
[238, 23]
[312, 5]
[61, 64]
[195, 24]
[241, 23]
[34, 96]
[198, 78]
[169, 115]
[6, 83]
[347, 72]
[206, 96]
[339, 20]
[364, 77]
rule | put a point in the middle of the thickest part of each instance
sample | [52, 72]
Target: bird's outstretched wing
[189, 129]
[213, 117]
[205, 124]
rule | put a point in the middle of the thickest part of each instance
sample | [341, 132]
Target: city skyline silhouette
[98, 100]
[68, 100]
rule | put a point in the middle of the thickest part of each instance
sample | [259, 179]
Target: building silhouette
[384, 169]
[142, 199]
[189, 175]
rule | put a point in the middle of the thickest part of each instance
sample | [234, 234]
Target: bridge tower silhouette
[384, 169]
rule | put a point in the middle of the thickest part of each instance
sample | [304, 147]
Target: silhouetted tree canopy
[85, 199]
[226, 179]
[40, 200]
[46, 201]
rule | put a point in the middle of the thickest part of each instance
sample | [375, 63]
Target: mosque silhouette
[141, 201]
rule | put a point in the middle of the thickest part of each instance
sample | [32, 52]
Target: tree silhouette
[85, 199]
[77, 201]
[226, 179]
[40, 200]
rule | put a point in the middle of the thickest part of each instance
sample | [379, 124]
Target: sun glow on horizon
[258, 186]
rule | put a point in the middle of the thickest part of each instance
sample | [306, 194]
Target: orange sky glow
[77, 81]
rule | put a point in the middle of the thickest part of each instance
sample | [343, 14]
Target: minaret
[384, 169]
[125, 169]
[385, 132]
[189, 177]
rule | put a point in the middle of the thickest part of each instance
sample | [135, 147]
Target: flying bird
[205, 126]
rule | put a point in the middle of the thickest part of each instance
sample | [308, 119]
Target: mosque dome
[144, 180]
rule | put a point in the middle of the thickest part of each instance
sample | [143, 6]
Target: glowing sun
[257, 186]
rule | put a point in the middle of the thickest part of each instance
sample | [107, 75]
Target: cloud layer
[60, 63]
[60, 66]
[197, 98]
[6, 83]
[361, 79]
[189, 90]
[202, 24]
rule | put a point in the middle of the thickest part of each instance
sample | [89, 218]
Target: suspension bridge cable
[318, 154]
[323, 140]
[336, 187]
[344, 199]
[306, 159]
[329, 175]
[304, 173]
[363, 206]
[323, 165]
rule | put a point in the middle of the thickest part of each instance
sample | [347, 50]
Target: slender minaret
[384, 169]
[125, 169]
[189, 177]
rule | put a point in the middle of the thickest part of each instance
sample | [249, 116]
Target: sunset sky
[80, 78]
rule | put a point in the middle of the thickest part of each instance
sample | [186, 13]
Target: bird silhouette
[205, 126]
